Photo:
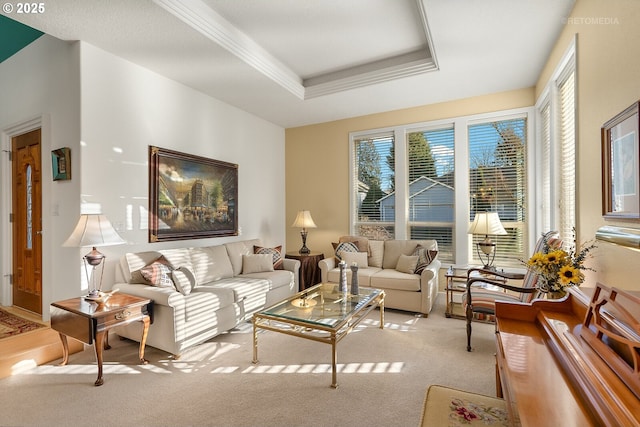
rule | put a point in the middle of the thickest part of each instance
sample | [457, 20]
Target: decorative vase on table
[552, 288]
[559, 268]
[343, 276]
[556, 295]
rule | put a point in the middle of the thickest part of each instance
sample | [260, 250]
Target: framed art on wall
[61, 164]
[191, 197]
[621, 166]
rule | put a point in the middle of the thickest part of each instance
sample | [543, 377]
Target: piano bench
[447, 406]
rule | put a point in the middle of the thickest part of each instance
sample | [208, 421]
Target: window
[431, 182]
[557, 137]
[497, 182]
[567, 173]
[427, 181]
[545, 166]
[373, 182]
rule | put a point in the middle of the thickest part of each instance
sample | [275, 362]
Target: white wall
[93, 102]
[128, 108]
[40, 84]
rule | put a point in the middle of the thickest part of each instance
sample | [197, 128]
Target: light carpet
[383, 375]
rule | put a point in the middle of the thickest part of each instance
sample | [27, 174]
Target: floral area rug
[450, 407]
[11, 325]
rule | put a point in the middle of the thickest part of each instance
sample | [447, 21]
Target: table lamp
[93, 230]
[486, 223]
[304, 221]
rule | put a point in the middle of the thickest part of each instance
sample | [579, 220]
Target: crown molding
[202, 18]
[369, 74]
[208, 22]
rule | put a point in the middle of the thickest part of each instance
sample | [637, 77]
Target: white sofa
[404, 290]
[228, 283]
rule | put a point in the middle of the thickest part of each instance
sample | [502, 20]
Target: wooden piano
[571, 362]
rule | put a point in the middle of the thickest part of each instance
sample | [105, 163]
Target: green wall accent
[14, 36]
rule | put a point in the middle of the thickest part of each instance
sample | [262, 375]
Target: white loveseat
[202, 292]
[404, 290]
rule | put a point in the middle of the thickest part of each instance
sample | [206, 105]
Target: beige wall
[608, 71]
[608, 76]
[317, 161]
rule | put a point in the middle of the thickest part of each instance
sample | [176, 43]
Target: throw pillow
[257, 263]
[344, 247]
[158, 273]
[361, 242]
[407, 264]
[377, 252]
[359, 258]
[425, 256]
[276, 253]
[184, 279]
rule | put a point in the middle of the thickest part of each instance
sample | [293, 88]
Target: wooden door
[27, 221]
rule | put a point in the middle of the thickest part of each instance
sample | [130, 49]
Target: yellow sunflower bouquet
[559, 268]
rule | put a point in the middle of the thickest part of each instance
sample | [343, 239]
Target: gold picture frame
[191, 197]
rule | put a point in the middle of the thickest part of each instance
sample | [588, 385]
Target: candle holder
[343, 276]
[354, 279]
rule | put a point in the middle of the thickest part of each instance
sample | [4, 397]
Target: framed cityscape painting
[191, 197]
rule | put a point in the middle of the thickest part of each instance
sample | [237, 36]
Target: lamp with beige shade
[487, 223]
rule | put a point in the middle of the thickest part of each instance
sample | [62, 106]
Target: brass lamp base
[486, 250]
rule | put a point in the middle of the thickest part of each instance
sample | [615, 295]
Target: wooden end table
[90, 322]
[309, 270]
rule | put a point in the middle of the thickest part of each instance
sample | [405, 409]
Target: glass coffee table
[320, 313]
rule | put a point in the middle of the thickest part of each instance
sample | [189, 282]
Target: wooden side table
[90, 322]
[309, 271]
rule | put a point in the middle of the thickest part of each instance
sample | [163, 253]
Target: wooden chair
[480, 299]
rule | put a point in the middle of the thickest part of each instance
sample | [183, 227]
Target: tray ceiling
[298, 62]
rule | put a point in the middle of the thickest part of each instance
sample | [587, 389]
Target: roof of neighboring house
[434, 183]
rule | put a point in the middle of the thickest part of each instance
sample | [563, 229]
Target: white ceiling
[298, 62]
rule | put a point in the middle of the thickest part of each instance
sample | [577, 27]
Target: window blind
[558, 141]
[497, 183]
[372, 183]
[546, 176]
[441, 170]
[431, 186]
[567, 170]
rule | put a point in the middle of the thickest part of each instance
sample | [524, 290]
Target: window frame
[353, 199]
[524, 226]
[462, 246]
[550, 217]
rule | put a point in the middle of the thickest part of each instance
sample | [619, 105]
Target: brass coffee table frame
[314, 331]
